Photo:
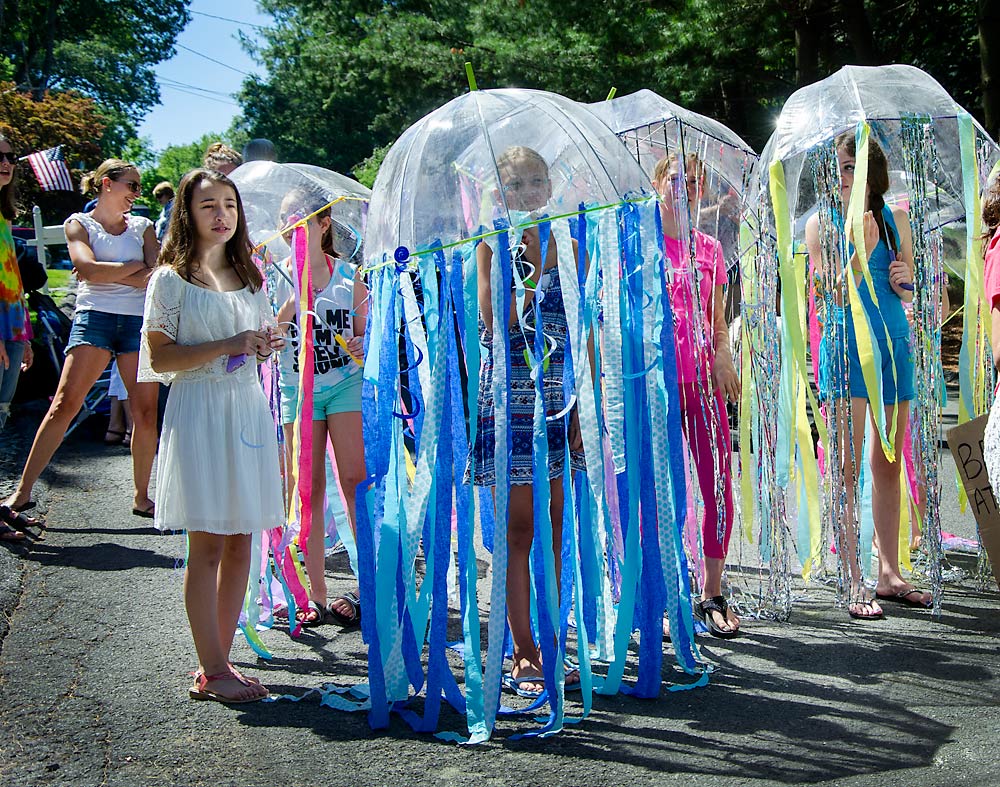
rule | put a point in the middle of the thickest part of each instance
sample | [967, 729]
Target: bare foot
[525, 668]
[346, 609]
[227, 687]
[863, 606]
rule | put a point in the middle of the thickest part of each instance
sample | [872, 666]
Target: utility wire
[175, 83]
[201, 95]
[234, 21]
[217, 62]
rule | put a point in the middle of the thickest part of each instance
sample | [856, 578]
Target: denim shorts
[116, 333]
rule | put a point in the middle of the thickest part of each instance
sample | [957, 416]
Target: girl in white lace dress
[217, 471]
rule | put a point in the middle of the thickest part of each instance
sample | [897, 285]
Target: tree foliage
[344, 77]
[66, 119]
[105, 49]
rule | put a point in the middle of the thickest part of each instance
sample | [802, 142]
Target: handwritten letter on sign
[966, 442]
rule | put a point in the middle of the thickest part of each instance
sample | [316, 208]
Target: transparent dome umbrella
[938, 158]
[654, 129]
[276, 198]
[514, 169]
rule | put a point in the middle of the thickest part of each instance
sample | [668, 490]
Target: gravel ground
[95, 656]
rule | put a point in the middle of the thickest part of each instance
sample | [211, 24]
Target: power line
[201, 95]
[174, 83]
[217, 62]
[234, 21]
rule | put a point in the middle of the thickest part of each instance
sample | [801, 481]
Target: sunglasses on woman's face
[8, 156]
[133, 185]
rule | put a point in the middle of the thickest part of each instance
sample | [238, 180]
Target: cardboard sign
[966, 443]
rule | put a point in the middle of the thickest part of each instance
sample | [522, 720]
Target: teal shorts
[344, 397]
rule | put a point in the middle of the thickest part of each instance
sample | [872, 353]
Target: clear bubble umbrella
[462, 200]
[656, 132]
[937, 157]
[278, 199]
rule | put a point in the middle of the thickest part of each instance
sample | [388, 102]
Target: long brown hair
[8, 194]
[991, 211]
[178, 252]
[878, 180]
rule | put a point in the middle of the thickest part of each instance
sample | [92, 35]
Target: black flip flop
[903, 598]
[18, 519]
[343, 620]
[145, 513]
[716, 604]
[10, 535]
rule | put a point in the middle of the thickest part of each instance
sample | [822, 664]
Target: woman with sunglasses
[113, 254]
[15, 327]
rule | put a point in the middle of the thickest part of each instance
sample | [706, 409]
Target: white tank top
[112, 297]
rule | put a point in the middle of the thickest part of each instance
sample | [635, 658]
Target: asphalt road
[95, 656]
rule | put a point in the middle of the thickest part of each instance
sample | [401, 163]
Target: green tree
[344, 77]
[66, 119]
[105, 49]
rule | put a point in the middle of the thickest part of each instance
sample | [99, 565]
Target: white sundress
[217, 468]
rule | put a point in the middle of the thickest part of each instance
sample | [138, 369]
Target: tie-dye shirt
[14, 323]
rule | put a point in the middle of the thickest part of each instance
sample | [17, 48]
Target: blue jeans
[8, 378]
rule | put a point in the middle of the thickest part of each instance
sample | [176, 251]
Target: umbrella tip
[611, 93]
[471, 76]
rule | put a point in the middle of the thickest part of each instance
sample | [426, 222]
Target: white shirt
[111, 297]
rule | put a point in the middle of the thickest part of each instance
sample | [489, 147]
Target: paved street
[95, 656]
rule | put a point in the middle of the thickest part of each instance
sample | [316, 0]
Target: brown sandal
[200, 691]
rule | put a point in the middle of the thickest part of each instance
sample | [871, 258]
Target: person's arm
[723, 369]
[995, 328]
[165, 355]
[484, 260]
[90, 269]
[356, 344]
[901, 269]
[150, 253]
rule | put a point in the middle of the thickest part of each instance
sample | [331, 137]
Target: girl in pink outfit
[705, 373]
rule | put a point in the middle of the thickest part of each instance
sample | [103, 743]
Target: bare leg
[885, 511]
[346, 435]
[520, 534]
[209, 593]
[315, 558]
[116, 423]
[860, 603]
[127, 414]
[234, 570]
[288, 457]
[83, 366]
[143, 398]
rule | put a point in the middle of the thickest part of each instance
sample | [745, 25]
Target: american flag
[50, 168]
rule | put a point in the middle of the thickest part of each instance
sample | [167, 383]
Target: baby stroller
[51, 327]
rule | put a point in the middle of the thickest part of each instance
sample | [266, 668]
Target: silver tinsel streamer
[920, 160]
[761, 339]
[840, 516]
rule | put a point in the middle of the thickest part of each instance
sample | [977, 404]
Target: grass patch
[58, 279]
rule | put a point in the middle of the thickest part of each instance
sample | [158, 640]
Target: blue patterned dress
[480, 469]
